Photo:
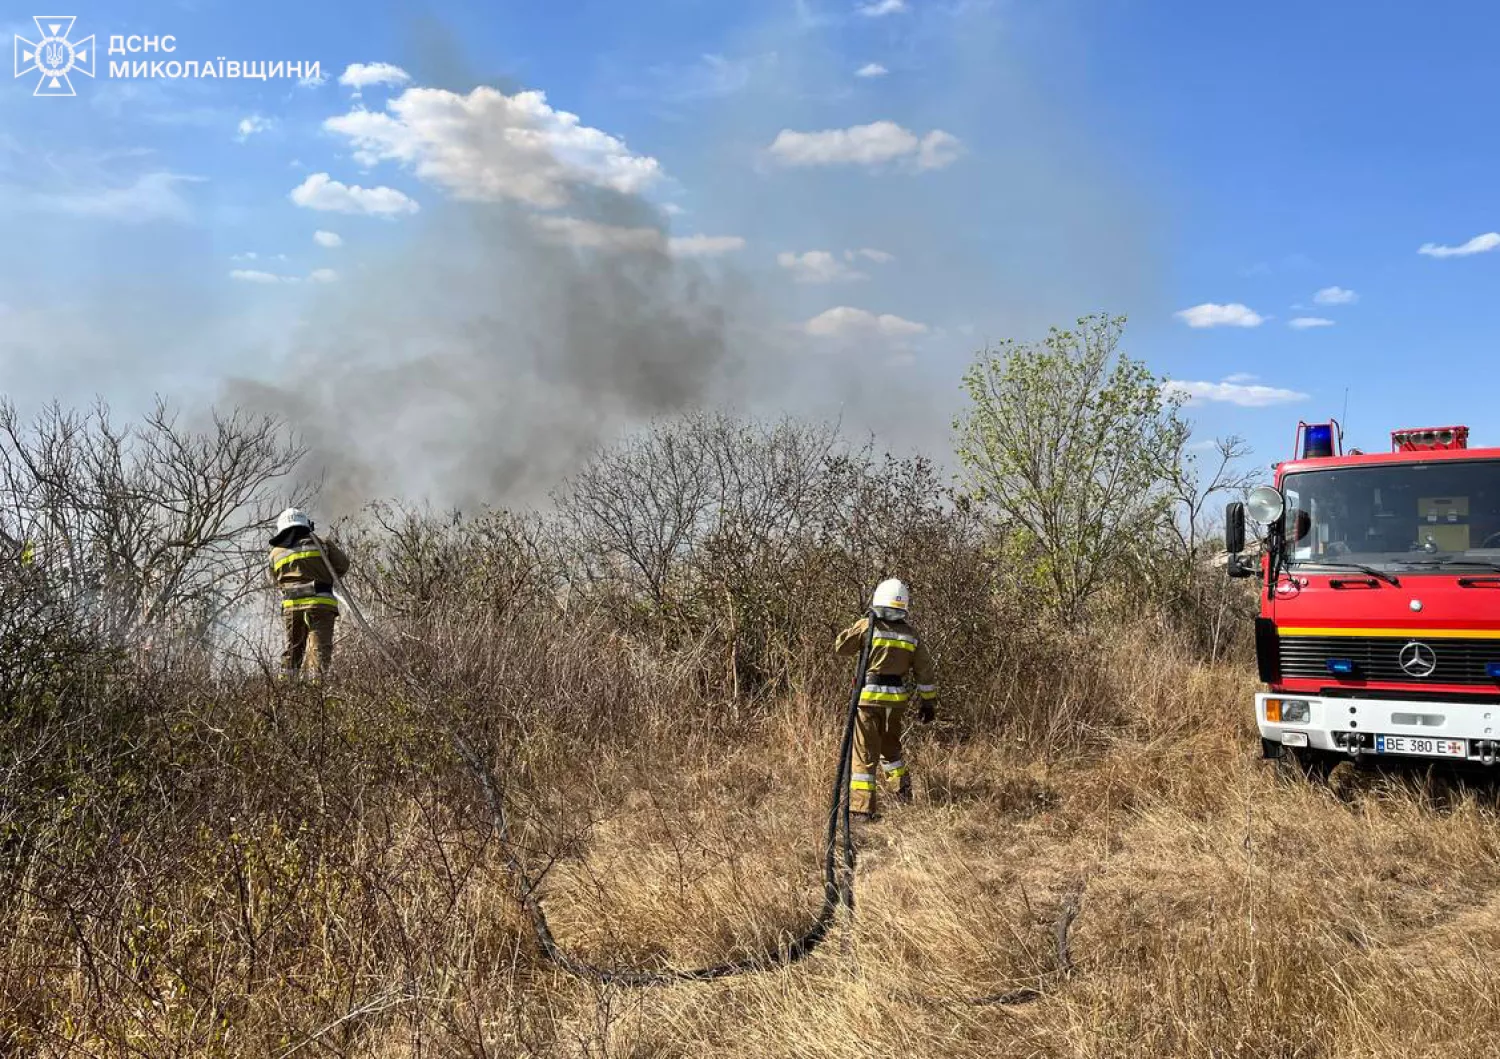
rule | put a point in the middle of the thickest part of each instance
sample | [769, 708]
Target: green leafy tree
[1067, 441]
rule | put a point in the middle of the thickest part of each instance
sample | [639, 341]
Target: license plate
[1405, 744]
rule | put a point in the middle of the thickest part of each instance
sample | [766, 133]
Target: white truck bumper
[1382, 727]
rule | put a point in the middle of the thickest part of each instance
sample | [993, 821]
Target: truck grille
[1377, 658]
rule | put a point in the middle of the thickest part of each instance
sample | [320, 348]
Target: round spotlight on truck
[1265, 504]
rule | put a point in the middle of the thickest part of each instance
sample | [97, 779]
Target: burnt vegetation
[198, 860]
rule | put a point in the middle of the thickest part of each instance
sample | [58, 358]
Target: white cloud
[1335, 296]
[248, 127]
[705, 245]
[873, 144]
[314, 82]
[1210, 315]
[153, 197]
[871, 70]
[1242, 393]
[1303, 323]
[821, 266]
[671, 209]
[255, 275]
[248, 256]
[362, 75]
[487, 146]
[846, 322]
[881, 8]
[330, 240]
[1477, 245]
[320, 192]
[818, 266]
[939, 150]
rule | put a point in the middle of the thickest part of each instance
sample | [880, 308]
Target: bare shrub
[145, 527]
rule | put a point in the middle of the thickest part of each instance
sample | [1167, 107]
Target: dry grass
[343, 897]
[1225, 912]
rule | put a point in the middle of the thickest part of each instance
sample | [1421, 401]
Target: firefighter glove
[926, 712]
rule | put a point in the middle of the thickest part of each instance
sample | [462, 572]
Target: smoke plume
[484, 357]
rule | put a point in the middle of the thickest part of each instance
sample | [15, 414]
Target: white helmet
[290, 518]
[891, 599]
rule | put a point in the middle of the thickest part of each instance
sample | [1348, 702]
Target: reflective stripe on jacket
[895, 651]
[302, 575]
[313, 598]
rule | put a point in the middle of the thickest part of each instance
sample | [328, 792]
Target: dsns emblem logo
[53, 57]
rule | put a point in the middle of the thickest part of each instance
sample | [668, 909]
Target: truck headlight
[1294, 711]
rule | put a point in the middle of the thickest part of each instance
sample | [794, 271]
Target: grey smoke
[481, 360]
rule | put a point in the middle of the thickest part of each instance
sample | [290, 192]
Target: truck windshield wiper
[1482, 563]
[1361, 567]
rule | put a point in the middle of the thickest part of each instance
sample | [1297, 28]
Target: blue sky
[879, 186]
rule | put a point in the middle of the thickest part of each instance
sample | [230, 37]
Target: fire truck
[1379, 582]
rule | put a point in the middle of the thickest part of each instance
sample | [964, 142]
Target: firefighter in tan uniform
[895, 652]
[308, 605]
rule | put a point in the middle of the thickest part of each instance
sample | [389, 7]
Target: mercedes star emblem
[1418, 659]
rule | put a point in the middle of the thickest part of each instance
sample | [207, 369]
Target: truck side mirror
[1234, 540]
[1234, 528]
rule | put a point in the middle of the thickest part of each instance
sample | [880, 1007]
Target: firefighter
[308, 606]
[896, 651]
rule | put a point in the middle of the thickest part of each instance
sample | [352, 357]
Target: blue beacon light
[1318, 442]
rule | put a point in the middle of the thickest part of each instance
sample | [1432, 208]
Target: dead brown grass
[1225, 913]
[335, 890]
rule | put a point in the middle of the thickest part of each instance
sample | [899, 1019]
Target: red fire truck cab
[1379, 584]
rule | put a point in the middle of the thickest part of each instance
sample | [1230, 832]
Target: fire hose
[838, 871]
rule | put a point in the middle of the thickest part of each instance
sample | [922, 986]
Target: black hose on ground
[840, 801]
[838, 886]
[837, 891]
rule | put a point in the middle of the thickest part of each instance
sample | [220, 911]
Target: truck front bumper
[1409, 728]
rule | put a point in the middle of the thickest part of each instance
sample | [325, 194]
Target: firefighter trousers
[877, 753]
[309, 628]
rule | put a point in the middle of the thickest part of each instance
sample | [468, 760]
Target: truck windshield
[1410, 517]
